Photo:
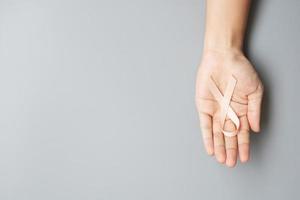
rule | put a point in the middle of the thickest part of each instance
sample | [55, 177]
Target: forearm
[226, 22]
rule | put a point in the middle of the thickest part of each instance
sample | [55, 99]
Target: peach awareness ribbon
[224, 102]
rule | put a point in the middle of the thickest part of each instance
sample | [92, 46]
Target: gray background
[97, 102]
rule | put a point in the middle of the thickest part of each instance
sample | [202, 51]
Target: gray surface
[97, 102]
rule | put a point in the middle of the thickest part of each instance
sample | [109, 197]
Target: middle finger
[230, 145]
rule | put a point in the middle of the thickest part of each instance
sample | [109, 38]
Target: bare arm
[226, 22]
[223, 60]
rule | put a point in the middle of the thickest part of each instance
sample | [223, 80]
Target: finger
[206, 129]
[254, 108]
[219, 143]
[230, 145]
[243, 138]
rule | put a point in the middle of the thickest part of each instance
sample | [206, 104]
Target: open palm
[245, 101]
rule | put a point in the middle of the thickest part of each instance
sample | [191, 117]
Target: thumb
[254, 108]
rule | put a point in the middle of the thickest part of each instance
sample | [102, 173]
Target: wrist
[219, 56]
[224, 42]
[222, 52]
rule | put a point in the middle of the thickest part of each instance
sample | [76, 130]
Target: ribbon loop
[224, 102]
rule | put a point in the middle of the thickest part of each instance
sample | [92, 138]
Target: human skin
[223, 58]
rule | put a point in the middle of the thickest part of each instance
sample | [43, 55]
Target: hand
[245, 101]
